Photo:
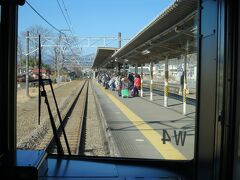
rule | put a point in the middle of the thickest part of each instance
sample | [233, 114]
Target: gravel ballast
[29, 133]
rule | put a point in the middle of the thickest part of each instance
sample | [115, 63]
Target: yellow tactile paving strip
[168, 151]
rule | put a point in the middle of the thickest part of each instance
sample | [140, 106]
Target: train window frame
[167, 159]
[159, 159]
[236, 166]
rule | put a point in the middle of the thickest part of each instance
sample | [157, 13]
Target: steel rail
[50, 145]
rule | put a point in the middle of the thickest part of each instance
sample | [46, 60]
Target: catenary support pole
[27, 63]
[119, 40]
[136, 69]
[119, 46]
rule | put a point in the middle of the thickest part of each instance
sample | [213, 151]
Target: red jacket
[137, 82]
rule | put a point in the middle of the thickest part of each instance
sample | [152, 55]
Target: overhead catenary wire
[69, 20]
[42, 17]
[68, 17]
[50, 24]
[65, 8]
[60, 7]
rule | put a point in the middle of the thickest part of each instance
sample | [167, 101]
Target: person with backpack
[182, 82]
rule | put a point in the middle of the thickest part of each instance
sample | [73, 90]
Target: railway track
[173, 94]
[74, 125]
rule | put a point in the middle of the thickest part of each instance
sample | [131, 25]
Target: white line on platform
[139, 140]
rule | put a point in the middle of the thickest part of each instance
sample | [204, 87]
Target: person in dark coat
[131, 80]
[182, 82]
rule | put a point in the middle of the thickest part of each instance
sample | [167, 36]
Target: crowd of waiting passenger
[123, 84]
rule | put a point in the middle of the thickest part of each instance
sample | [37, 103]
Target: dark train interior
[217, 140]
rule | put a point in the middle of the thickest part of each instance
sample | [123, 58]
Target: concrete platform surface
[146, 129]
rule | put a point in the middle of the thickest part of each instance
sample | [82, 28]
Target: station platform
[141, 128]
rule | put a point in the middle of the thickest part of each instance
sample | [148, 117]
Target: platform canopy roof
[103, 55]
[166, 36]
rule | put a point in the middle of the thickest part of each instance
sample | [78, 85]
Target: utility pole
[59, 56]
[27, 63]
[119, 46]
[119, 40]
[58, 59]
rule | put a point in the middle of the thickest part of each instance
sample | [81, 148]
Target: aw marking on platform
[168, 151]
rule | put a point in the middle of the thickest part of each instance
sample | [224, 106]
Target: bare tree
[71, 50]
[34, 32]
[64, 52]
[61, 52]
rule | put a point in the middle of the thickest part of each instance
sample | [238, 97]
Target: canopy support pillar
[141, 80]
[185, 81]
[166, 83]
[151, 82]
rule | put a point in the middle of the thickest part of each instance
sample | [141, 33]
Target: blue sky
[95, 17]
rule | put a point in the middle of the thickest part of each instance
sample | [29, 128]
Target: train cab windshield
[119, 89]
[108, 78]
